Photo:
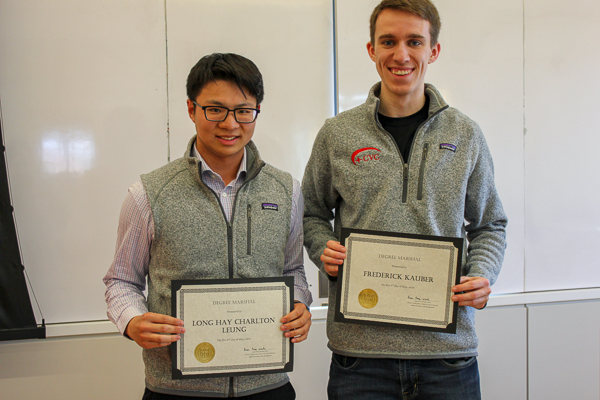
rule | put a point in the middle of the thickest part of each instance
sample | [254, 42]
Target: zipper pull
[405, 172]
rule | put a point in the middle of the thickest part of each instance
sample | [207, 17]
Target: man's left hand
[297, 323]
[476, 291]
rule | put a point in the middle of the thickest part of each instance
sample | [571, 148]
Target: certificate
[232, 327]
[401, 280]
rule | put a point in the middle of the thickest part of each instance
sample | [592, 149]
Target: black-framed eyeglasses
[218, 113]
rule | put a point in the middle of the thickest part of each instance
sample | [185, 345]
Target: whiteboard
[93, 95]
[83, 93]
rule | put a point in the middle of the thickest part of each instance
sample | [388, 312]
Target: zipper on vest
[230, 386]
[229, 230]
[422, 171]
[229, 227]
[249, 233]
[230, 249]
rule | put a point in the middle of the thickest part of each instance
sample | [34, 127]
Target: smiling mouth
[401, 72]
[228, 138]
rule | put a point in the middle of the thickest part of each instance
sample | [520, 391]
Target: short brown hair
[421, 8]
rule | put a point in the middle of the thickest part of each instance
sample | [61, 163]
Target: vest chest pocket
[267, 230]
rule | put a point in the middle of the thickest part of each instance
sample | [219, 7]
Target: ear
[435, 53]
[371, 50]
[191, 110]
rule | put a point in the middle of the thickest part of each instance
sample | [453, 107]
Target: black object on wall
[17, 320]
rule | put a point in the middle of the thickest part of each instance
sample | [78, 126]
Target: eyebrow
[245, 104]
[391, 36]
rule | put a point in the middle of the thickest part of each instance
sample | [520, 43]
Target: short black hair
[227, 67]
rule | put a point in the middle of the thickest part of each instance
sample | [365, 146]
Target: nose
[401, 53]
[229, 122]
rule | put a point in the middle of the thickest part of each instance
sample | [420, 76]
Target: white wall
[83, 367]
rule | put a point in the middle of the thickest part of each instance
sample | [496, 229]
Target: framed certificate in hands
[402, 280]
[232, 327]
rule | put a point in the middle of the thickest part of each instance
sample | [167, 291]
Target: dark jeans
[385, 378]
[285, 392]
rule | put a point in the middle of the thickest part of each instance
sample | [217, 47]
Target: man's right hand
[154, 330]
[333, 256]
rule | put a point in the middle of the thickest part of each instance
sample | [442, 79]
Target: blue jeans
[352, 378]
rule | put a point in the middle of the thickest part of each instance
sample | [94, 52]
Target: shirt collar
[206, 169]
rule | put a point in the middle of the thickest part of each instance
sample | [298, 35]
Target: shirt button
[224, 194]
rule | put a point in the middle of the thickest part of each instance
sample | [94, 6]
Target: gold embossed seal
[368, 298]
[204, 352]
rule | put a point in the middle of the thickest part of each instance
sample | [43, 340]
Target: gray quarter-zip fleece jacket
[445, 188]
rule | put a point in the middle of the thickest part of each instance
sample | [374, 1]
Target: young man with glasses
[203, 216]
[405, 162]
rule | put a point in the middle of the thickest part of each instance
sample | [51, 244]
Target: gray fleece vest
[191, 242]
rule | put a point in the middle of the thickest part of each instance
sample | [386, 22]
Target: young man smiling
[219, 212]
[406, 162]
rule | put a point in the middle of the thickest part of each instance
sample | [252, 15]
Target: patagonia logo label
[365, 154]
[270, 206]
[448, 146]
